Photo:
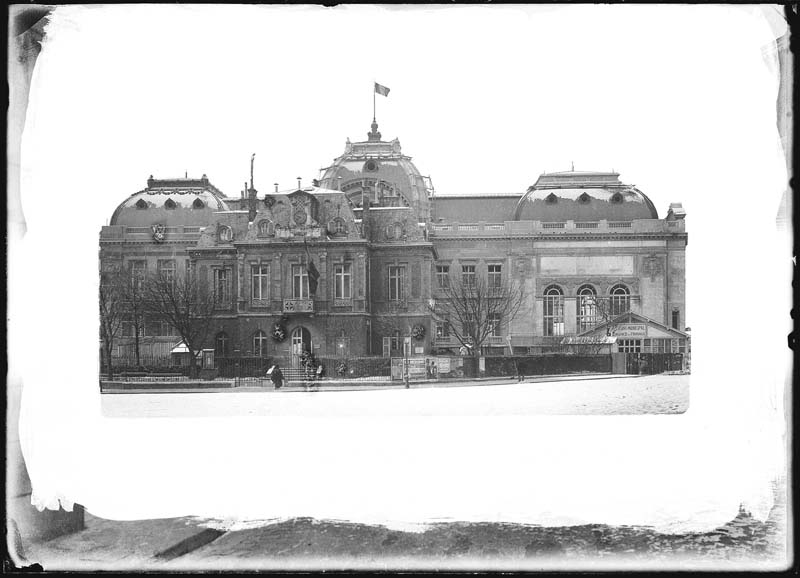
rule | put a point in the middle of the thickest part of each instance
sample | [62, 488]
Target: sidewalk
[350, 385]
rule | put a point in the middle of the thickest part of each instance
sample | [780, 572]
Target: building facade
[349, 266]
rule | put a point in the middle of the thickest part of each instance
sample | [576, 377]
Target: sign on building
[630, 330]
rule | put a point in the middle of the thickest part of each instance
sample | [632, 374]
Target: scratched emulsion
[688, 472]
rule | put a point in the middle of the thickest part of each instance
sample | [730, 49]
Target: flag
[313, 276]
[381, 89]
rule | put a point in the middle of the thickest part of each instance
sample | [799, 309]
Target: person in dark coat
[277, 376]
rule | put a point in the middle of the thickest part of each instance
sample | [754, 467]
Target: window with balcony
[299, 282]
[587, 308]
[397, 283]
[260, 282]
[222, 287]
[495, 277]
[620, 300]
[553, 311]
[443, 276]
[468, 275]
[342, 277]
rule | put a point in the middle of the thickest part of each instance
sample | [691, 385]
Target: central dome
[583, 196]
[377, 170]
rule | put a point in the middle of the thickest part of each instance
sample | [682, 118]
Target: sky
[680, 100]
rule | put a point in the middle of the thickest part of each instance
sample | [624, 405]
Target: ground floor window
[630, 345]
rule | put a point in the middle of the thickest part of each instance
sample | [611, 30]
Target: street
[618, 395]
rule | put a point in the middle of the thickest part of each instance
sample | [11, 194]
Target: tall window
[396, 340]
[397, 283]
[442, 329]
[167, 269]
[299, 282]
[676, 319]
[468, 275]
[620, 300]
[494, 324]
[138, 271]
[553, 311]
[260, 343]
[221, 344]
[495, 277]
[342, 276]
[260, 281]
[587, 308]
[442, 276]
[222, 288]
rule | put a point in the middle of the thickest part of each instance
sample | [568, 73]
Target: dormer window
[169, 204]
[198, 204]
[370, 166]
[337, 227]
[551, 199]
[225, 234]
[394, 231]
[265, 228]
[141, 204]
[584, 199]
[616, 198]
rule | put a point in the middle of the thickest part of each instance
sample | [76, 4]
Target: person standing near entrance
[277, 376]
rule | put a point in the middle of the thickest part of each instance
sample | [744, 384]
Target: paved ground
[604, 395]
[183, 544]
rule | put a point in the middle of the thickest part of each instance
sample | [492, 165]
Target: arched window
[553, 311]
[620, 300]
[584, 198]
[198, 204]
[141, 204]
[587, 307]
[616, 198]
[260, 343]
[337, 227]
[225, 233]
[169, 204]
[221, 344]
[265, 228]
[551, 199]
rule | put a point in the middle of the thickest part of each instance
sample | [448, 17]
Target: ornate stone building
[382, 243]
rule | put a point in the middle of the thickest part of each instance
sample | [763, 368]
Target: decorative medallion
[159, 232]
[279, 332]
[299, 212]
[418, 332]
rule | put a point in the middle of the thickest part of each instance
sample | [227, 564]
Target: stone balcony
[298, 305]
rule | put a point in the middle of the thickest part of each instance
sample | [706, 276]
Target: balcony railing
[481, 229]
[298, 306]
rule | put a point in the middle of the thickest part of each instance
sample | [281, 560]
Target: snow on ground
[654, 394]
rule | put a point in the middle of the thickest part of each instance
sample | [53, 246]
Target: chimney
[251, 209]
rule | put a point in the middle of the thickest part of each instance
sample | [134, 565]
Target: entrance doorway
[301, 341]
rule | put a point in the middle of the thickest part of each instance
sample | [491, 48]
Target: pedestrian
[276, 375]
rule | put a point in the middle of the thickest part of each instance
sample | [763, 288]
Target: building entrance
[301, 341]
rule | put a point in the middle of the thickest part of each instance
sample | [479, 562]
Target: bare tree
[473, 310]
[112, 313]
[135, 296]
[187, 304]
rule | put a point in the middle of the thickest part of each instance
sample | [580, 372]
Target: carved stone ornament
[159, 232]
[299, 212]
[269, 201]
[652, 266]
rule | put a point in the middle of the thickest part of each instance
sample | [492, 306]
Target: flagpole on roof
[373, 99]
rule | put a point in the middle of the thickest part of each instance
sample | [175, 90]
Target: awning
[181, 348]
[589, 340]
